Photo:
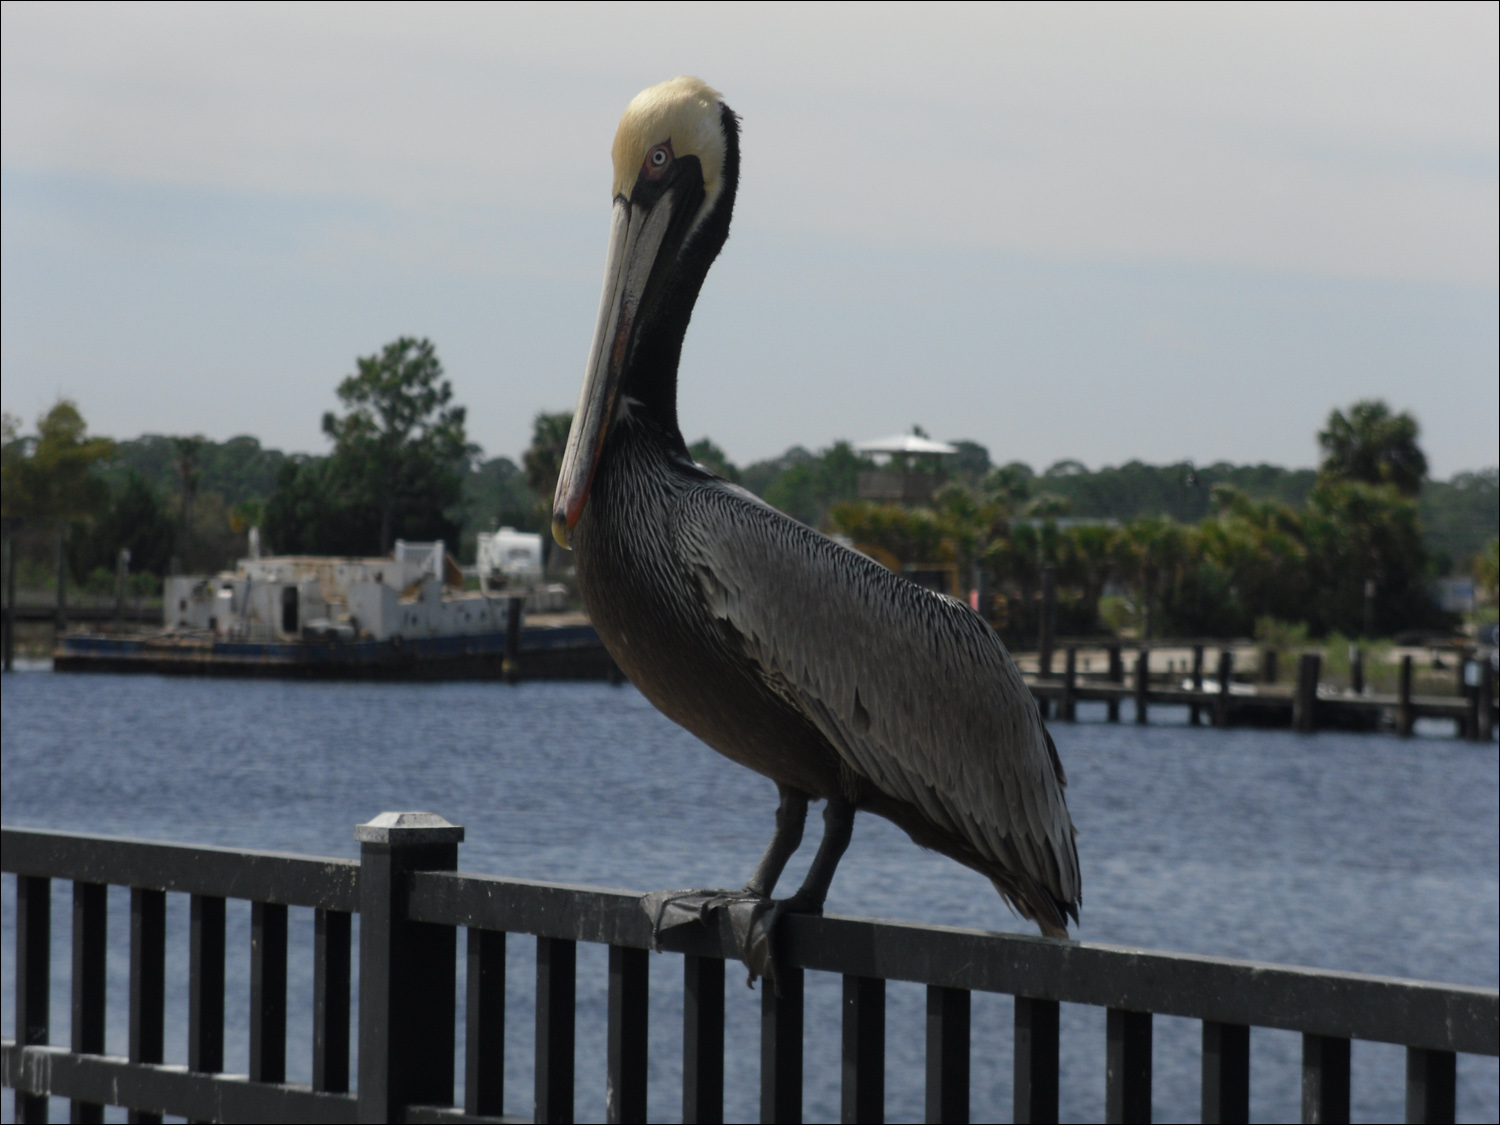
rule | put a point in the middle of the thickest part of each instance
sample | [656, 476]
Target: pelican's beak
[645, 234]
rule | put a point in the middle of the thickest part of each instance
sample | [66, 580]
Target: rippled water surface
[1357, 852]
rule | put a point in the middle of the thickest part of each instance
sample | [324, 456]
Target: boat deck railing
[413, 902]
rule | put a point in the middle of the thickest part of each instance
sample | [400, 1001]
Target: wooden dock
[1305, 705]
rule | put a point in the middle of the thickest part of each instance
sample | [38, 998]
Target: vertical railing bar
[864, 1049]
[90, 960]
[1127, 1082]
[332, 958]
[781, 1047]
[267, 992]
[1035, 1083]
[1226, 1073]
[206, 984]
[148, 978]
[1431, 1086]
[947, 1055]
[629, 1007]
[33, 978]
[1325, 1079]
[556, 989]
[484, 1026]
[702, 1040]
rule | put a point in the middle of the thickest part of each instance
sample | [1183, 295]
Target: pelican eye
[658, 158]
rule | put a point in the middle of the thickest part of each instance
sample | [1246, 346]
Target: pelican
[786, 652]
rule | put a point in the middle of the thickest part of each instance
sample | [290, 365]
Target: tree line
[1165, 549]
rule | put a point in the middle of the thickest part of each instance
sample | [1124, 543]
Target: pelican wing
[916, 693]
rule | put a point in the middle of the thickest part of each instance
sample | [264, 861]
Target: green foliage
[48, 480]
[808, 489]
[496, 495]
[543, 460]
[135, 518]
[399, 449]
[1372, 445]
[239, 469]
[1459, 517]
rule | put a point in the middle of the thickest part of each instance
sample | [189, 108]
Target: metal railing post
[781, 1047]
[1127, 1081]
[1325, 1079]
[1035, 1085]
[629, 1007]
[947, 1054]
[1226, 1073]
[484, 1025]
[33, 977]
[407, 970]
[1431, 1086]
[863, 1077]
[90, 958]
[702, 1040]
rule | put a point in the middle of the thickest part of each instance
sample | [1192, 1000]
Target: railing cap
[408, 828]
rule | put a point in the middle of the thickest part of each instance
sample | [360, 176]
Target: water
[1356, 852]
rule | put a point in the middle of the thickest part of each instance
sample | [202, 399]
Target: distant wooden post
[1047, 627]
[1484, 727]
[122, 576]
[1357, 669]
[1142, 683]
[1067, 710]
[1226, 677]
[1194, 718]
[1404, 716]
[511, 669]
[1268, 666]
[9, 639]
[1116, 676]
[1470, 689]
[1305, 702]
[61, 623]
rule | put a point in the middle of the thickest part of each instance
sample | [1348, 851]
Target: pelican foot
[670, 909]
[752, 918]
[758, 944]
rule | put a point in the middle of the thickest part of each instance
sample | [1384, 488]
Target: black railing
[412, 901]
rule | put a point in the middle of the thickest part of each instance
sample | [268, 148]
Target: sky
[1159, 232]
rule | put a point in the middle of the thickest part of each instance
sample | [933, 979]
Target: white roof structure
[904, 443]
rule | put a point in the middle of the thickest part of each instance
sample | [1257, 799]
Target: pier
[1224, 695]
[413, 902]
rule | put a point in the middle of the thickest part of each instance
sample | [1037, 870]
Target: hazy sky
[1092, 232]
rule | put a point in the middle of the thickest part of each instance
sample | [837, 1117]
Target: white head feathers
[685, 111]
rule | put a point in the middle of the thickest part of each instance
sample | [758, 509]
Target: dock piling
[1404, 714]
[1269, 668]
[1142, 683]
[1484, 727]
[1116, 676]
[512, 666]
[1194, 718]
[1226, 677]
[1067, 707]
[1305, 702]
[1357, 669]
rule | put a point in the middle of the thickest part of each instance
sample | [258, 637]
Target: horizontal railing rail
[413, 901]
[1351, 1005]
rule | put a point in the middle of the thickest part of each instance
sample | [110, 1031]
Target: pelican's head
[671, 163]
